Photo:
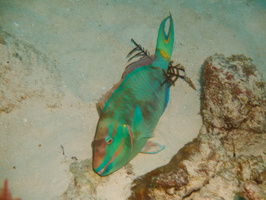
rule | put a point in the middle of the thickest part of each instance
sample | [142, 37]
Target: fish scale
[147, 91]
[129, 112]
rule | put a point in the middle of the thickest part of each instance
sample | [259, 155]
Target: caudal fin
[165, 41]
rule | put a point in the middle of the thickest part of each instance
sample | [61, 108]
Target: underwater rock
[226, 160]
[253, 191]
[84, 182]
[233, 101]
[232, 178]
[233, 94]
[189, 170]
[87, 185]
[201, 170]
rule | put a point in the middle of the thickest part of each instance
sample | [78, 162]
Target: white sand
[75, 51]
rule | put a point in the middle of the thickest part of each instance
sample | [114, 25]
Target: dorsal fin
[139, 63]
[139, 51]
[101, 102]
[146, 59]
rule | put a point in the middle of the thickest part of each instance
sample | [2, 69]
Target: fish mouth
[101, 171]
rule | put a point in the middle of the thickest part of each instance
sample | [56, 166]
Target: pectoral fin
[152, 147]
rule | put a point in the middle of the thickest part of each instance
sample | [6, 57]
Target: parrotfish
[130, 111]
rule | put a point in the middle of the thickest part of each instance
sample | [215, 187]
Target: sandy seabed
[58, 57]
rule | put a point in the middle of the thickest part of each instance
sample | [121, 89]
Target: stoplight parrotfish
[131, 109]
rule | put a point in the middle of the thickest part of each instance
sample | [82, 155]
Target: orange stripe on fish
[117, 152]
[166, 40]
[131, 137]
[164, 55]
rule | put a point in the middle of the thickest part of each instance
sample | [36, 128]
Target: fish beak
[103, 168]
[100, 172]
[165, 41]
[99, 147]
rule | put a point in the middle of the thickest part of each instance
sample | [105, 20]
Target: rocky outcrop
[233, 95]
[226, 160]
[233, 101]
[87, 185]
[201, 170]
[84, 182]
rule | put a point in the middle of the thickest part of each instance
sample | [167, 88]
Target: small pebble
[170, 191]
[74, 158]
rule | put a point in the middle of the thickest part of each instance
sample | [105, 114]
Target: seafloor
[58, 57]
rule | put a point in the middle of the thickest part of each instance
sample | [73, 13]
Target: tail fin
[165, 42]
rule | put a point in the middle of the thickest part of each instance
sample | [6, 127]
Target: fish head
[112, 146]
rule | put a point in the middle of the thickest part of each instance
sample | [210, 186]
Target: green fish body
[130, 111]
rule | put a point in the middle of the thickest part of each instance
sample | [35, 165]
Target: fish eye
[109, 140]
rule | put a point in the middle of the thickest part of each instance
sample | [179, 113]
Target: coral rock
[87, 185]
[233, 95]
[202, 170]
[233, 102]
[189, 170]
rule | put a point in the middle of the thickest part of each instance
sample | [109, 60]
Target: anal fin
[152, 147]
